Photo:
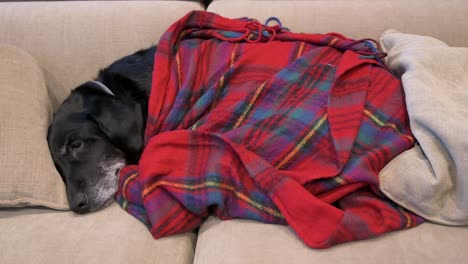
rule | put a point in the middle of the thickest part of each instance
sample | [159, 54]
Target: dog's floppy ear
[122, 123]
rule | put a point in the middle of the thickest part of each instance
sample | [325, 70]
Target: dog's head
[91, 137]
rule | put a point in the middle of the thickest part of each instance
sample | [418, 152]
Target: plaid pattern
[250, 121]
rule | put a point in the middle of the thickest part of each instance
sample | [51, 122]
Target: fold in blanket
[250, 121]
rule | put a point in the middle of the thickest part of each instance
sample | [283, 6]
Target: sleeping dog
[99, 128]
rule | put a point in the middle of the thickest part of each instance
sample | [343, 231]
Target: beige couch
[72, 40]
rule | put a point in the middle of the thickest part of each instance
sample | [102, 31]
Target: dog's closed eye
[75, 144]
[72, 146]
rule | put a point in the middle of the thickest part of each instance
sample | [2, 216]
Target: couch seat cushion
[107, 236]
[245, 241]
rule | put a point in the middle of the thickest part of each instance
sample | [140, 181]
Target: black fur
[94, 133]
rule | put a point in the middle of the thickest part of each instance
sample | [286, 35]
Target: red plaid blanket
[251, 121]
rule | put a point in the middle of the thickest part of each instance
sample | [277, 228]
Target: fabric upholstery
[72, 40]
[431, 178]
[109, 236]
[250, 242]
[27, 173]
[445, 20]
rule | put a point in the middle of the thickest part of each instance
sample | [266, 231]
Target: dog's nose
[80, 203]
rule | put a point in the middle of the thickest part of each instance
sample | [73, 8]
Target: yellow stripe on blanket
[126, 182]
[302, 142]
[208, 184]
[249, 106]
[383, 124]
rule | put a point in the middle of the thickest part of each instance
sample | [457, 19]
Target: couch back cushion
[72, 40]
[445, 20]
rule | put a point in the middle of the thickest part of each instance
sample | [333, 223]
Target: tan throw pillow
[27, 174]
[431, 179]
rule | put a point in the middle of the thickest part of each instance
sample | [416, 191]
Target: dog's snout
[80, 203]
[83, 204]
[81, 184]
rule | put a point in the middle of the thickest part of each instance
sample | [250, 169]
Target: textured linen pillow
[431, 179]
[27, 174]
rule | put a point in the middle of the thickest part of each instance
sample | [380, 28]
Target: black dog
[99, 128]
